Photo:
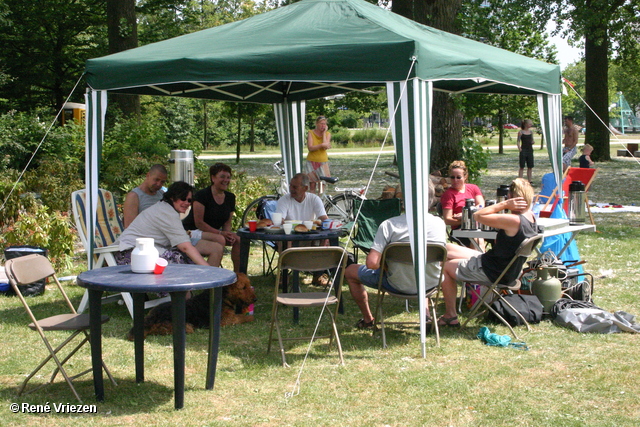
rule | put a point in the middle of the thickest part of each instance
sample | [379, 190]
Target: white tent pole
[96, 102]
[550, 112]
[290, 119]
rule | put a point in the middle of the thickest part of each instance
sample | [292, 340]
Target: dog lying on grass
[235, 300]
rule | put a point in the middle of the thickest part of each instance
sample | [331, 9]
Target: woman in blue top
[468, 265]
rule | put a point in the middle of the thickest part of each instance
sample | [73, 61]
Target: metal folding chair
[309, 259]
[494, 290]
[401, 253]
[31, 268]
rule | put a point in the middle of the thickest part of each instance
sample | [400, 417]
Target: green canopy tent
[318, 48]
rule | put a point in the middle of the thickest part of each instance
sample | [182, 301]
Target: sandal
[448, 322]
[361, 324]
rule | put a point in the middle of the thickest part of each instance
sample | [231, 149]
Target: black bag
[31, 289]
[528, 305]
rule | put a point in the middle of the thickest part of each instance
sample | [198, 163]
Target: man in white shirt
[400, 277]
[299, 204]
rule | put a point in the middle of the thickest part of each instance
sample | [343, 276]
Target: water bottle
[144, 256]
[576, 203]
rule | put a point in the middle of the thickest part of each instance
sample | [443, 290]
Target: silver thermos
[576, 203]
[468, 223]
[486, 227]
[502, 194]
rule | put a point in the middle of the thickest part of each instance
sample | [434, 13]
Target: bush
[475, 157]
[47, 229]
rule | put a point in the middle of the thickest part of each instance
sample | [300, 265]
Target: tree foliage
[610, 28]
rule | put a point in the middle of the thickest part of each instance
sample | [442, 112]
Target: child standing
[585, 159]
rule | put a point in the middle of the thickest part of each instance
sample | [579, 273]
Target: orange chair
[585, 175]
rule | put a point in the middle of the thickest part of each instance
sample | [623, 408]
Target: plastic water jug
[144, 256]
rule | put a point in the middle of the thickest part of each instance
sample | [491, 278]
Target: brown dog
[236, 298]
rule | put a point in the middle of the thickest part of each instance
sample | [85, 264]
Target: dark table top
[278, 237]
[175, 278]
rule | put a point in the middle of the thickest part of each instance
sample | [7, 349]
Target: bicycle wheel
[255, 208]
[341, 207]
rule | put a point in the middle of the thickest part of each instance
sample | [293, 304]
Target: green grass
[565, 379]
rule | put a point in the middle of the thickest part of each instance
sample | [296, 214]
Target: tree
[43, 49]
[122, 30]
[602, 24]
[506, 27]
[446, 130]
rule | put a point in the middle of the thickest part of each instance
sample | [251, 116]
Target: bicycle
[338, 207]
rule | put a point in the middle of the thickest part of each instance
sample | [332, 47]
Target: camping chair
[401, 253]
[585, 175]
[309, 259]
[372, 214]
[108, 228]
[494, 290]
[31, 268]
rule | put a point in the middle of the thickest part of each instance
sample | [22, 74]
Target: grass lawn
[565, 379]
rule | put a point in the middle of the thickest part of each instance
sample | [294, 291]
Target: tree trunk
[500, 131]
[597, 95]
[205, 125]
[446, 130]
[122, 30]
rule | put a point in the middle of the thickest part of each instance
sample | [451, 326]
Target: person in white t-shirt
[299, 204]
[400, 278]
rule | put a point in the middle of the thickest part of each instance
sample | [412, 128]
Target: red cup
[253, 225]
[161, 263]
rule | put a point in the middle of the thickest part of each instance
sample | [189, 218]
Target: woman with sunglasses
[453, 199]
[211, 216]
[318, 142]
[162, 223]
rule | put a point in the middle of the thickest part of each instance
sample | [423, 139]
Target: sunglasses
[185, 199]
[455, 177]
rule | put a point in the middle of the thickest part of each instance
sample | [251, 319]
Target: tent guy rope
[15, 184]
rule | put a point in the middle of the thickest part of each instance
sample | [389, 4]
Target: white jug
[144, 256]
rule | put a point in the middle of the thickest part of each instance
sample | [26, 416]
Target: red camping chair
[585, 175]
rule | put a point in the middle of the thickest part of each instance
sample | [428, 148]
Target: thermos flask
[486, 227]
[468, 223]
[502, 194]
[576, 203]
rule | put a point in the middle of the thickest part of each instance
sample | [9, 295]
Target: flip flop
[448, 322]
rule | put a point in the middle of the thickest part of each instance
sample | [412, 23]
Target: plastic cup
[287, 228]
[253, 225]
[309, 225]
[161, 263]
[276, 217]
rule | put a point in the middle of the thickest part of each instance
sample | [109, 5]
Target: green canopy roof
[316, 48]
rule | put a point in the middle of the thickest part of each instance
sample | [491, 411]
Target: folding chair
[309, 259]
[107, 230]
[31, 268]
[586, 176]
[494, 290]
[372, 214]
[401, 253]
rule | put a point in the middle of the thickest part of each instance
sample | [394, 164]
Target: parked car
[510, 126]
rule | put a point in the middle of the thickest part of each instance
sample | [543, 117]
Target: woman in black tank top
[468, 264]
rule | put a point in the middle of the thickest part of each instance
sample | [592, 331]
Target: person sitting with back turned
[145, 195]
[468, 265]
[400, 277]
[162, 223]
[299, 204]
